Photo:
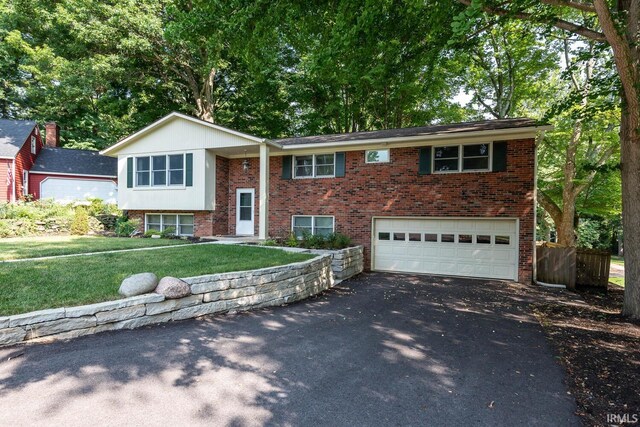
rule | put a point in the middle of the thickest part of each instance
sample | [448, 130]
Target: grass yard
[35, 247]
[617, 281]
[617, 260]
[63, 282]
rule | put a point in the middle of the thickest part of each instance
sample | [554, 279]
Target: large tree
[616, 24]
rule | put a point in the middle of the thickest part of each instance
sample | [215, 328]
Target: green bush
[338, 241]
[292, 241]
[98, 207]
[80, 223]
[270, 242]
[150, 233]
[126, 227]
[313, 241]
[168, 232]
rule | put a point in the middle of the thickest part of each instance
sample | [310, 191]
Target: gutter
[420, 138]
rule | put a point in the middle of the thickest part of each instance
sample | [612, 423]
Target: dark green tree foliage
[368, 65]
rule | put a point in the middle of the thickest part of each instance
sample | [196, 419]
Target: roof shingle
[484, 125]
[13, 134]
[76, 162]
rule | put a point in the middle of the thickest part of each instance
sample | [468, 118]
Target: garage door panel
[465, 256]
[67, 189]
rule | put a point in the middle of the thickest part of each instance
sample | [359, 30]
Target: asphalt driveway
[377, 350]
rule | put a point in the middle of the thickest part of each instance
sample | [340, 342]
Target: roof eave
[524, 131]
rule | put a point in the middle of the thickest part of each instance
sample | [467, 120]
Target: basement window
[312, 224]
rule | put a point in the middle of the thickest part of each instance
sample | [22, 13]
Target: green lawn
[35, 247]
[617, 281]
[63, 282]
[617, 260]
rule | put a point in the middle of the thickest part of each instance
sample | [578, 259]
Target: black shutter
[189, 169]
[424, 157]
[129, 172]
[500, 156]
[340, 164]
[286, 167]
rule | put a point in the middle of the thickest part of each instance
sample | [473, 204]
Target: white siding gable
[179, 134]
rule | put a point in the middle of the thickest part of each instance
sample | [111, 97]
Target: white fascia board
[528, 132]
[110, 151]
[72, 174]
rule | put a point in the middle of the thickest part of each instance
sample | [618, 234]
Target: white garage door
[453, 247]
[66, 190]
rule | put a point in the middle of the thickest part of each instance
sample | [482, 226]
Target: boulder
[138, 284]
[172, 288]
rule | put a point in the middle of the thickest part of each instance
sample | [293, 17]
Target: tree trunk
[630, 138]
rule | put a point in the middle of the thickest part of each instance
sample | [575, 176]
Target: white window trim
[366, 156]
[167, 174]
[313, 222]
[177, 225]
[34, 144]
[25, 182]
[313, 167]
[461, 158]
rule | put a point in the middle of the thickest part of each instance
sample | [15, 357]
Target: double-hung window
[181, 224]
[461, 158]
[160, 171]
[314, 165]
[316, 225]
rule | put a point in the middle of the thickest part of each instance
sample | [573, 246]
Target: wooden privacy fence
[572, 266]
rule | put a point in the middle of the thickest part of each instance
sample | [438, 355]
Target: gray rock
[138, 284]
[87, 310]
[173, 304]
[203, 287]
[36, 317]
[173, 288]
[120, 314]
[4, 322]
[11, 335]
[57, 326]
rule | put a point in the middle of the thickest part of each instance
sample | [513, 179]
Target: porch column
[263, 226]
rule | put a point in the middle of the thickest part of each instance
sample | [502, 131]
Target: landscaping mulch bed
[600, 351]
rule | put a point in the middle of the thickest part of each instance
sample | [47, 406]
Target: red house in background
[30, 168]
[20, 144]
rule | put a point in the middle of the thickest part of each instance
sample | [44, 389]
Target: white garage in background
[66, 190]
[471, 247]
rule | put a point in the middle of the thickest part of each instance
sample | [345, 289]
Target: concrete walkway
[377, 350]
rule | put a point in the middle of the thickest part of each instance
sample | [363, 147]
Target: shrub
[270, 242]
[126, 227]
[168, 232]
[292, 241]
[150, 233]
[80, 223]
[338, 241]
[313, 241]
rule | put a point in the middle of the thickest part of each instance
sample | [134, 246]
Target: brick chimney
[52, 134]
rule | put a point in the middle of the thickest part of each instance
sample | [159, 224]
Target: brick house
[31, 168]
[447, 199]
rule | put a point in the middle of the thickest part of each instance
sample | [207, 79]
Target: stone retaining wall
[345, 263]
[210, 294]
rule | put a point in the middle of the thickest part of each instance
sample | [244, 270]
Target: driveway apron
[380, 349]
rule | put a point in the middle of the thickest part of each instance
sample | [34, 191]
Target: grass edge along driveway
[64, 282]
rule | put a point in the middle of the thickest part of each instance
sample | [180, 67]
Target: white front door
[244, 211]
